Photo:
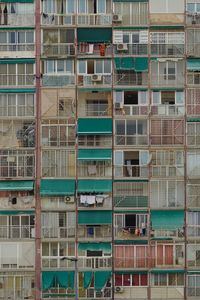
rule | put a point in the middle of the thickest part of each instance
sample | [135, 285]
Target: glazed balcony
[57, 232]
[17, 20]
[17, 232]
[95, 80]
[94, 19]
[167, 110]
[58, 80]
[94, 262]
[58, 49]
[13, 80]
[58, 19]
[130, 49]
[130, 79]
[166, 50]
[130, 171]
[95, 233]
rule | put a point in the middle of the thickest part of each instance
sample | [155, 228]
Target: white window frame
[119, 98]
[55, 67]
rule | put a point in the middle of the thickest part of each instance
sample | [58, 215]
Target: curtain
[100, 279]
[118, 256]
[168, 254]
[128, 258]
[48, 279]
[87, 278]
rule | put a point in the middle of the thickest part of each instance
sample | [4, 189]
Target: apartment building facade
[100, 149]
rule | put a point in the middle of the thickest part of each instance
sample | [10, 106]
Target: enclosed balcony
[193, 279]
[167, 163]
[132, 164]
[130, 71]
[193, 105]
[131, 103]
[193, 164]
[16, 14]
[167, 223]
[17, 43]
[130, 226]
[193, 71]
[193, 224]
[130, 194]
[193, 129]
[193, 193]
[193, 13]
[167, 44]
[193, 258]
[95, 201]
[17, 163]
[58, 225]
[167, 72]
[193, 46]
[58, 42]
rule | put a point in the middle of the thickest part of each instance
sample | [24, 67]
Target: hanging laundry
[90, 200]
[102, 49]
[92, 170]
[91, 49]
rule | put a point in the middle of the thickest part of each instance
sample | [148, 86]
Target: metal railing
[98, 109]
[168, 110]
[92, 233]
[95, 141]
[17, 47]
[58, 80]
[56, 262]
[167, 171]
[16, 80]
[83, 49]
[130, 79]
[94, 80]
[17, 232]
[131, 49]
[94, 262]
[167, 232]
[170, 80]
[58, 232]
[16, 19]
[97, 170]
[193, 230]
[167, 49]
[131, 262]
[106, 203]
[58, 49]
[193, 78]
[58, 19]
[130, 171]
[130, 201]
[94, 19]
[132, 110]
[131, 140]
[130, 232]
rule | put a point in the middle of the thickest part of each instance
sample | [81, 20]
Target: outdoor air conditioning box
[117, 18]
[122, 47]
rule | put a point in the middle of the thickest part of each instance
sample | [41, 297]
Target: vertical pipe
[37, 155]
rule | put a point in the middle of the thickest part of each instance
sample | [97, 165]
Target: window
[59, 66]
[16, 105]
[17, 75]
[167, 6]
[193, 7]
[193, 285]
[167, 279]
[65, 107]
[170, 71]
[94, 67]
[131, 280]
[131, 97]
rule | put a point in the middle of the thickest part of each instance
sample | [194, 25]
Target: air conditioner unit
[96, 77]
[122, 47]
[68, 199]
[117, 18]
[118, 105]
[119, 289]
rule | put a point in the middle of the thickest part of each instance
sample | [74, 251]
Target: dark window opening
[94, 253]
[130, 97]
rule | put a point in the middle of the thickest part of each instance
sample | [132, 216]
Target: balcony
[166, 50]
[99, 169]
[167, 171]
[56, 262]
[193, 18]
[167, 110]
[193, 231]
[17, 232]
[95, 141]
[131, 171]
[166, 232]
[136, 262]
[16, 50]
[96, 109]
[17, 20]
[95, 233]
[193, 78]
[162, 80]
[94, 262]
[13, 80]
[58, 80]
[58, 19]
[58, 50]
[58, 232]
[130, 201]
[131, 140]
[130, 233]
[131, 49]
[193, 49]
[95, 80]
[132, 110]
[94, 19]
[89, 49]
[130, 79]
[100, 201]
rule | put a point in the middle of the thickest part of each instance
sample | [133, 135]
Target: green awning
[57, 187]
[130, 242]
[51, 279]
[167, 271]
[167, 219]
[92, 186]
[193, 120]
[131, 272]
[105, 247]
[17, 212]
[16, 185]
[95, 126]
[94, 35]
[100, 279]
[94, 154]
[14, 91]
[95, 217]
[193, 64]
[87, 278]
[15, 1]
[17, 61]
[138, 64]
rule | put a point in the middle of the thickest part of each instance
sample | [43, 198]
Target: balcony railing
[131, 49]
[16, 80]
[193, 49]
[97, 170]
[16, 19]
[84, 49]
[95, 110]
[58, 232]
[167, 171]
[168, 110]
[167, 261]
[56, 262]
[193, 78]
[131, 140]
[58, 19]
[131, 79]
[95, 233]
[106, 203]
[58, 49]
[130, 171]
[95, 141]
[167, 49]
[58, 80]
[132, 110]
[170, 81]
[94, 19]
[168, 232]
[94, 80]
[193, 18]
[17, 293]
[131, 262]
[95, 262]
[17, 232]
[193, 231]
[130, 201]
[167, 139]
[17, 47]
[129, 233]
